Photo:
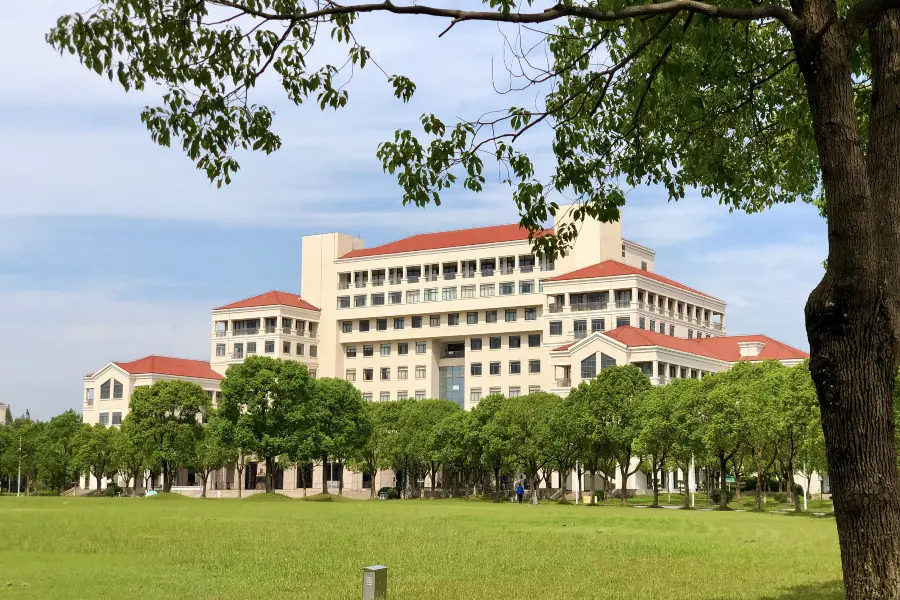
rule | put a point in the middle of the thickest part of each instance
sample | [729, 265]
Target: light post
[19, 482]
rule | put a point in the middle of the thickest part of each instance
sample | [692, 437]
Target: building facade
[460, 315]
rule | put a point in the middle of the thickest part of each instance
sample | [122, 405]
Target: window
[510, 315]
[412, 296]
[364, 325]
[385, 373]
[378, 299]
[534, 340]
[531, 313]
[344, 302]
[448, 293]
[690, 334]
[453, 319]
[475, 343]
[384, 396]
[474, 395]
[494, 368]
[312, 373]
[417, 322]
[402, 395]
[475, 369]
[351, 352]
[220, 349]
[467, 291]
[420, 347]
[420, 372]
[472, 318]
[642, 323]
[515, 392]
[287, 323]
[368, 374]
[380, 324]
[117, 418]
[347, 326]
[555, 327]
[434, 320]
[431, 295]
[494, 390]
[402, 372]
[490, 316]
[89, 396]
[420, 394]
[643, 265]
[534, 366]
[270, 346]
[238, 351]
[533, 389]
[399, 322]
[515, 341]
[314, 352]
[606, 361]
[526, 287]
[395, 297]
[494, 343]
[104, 418]
[368, 350]
[359, 301]
[367, 397]
[507, 289]
[487, 290]
[385, 349]
[515, 367]
[403, 348]
[118, 389]
[300, 350]
[623, 321]
[652, 325]
[672, 330]
[598, 325]
[350, 375]
[623, 250]
[285, 348]
[662, 327]
[589, 367]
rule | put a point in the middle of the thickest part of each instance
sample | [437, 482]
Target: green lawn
[187, 548]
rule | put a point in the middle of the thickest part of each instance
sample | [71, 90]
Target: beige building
[463, 314]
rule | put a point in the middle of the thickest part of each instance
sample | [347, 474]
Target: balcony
[623, 303]
[221, 333]
[585, 306]
[506, 270]
[396, 280]
[580, 334]
[378, 281]
[361, 283]
[343, 285]
[565, 382]
[556, 308]
[487, 272]
[453, 354]
[717, 326]
[237, 355]
[247, 331]
[412, 279]
[449, 276]
[526, 268]
[287, 331]
[431, 277]
[468, 274]
[271, 329]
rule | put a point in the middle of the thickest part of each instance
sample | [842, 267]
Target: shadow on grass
[827, 590]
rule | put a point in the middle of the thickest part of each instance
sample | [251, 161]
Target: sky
[114, 248]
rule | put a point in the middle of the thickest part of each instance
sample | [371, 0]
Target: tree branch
[863, 12]
[753, 13]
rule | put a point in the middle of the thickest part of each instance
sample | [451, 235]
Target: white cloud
[656, 223]
[62, 335]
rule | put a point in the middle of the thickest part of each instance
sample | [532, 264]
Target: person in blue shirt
[520, 491]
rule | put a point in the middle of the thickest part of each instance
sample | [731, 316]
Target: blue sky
[114, 248]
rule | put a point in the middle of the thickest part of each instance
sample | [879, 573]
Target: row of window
[109, 388]
[485, 290]
[475, 394]
[599, 324]
[269, 346]
[475, 344]
[116, 418]
[510, 315]
[515, 367]
[368, 374]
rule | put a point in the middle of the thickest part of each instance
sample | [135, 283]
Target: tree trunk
[723, 482]
[324, 474]
[167, 481]
[737, 484]
[341, 478]
[852, 315]
[204, 476]
[531, 487]
[655, 485]
[793, 486]
[686, 471]
[593, 490]
[270, 475]
[98, 481]
[240, 479]
[759, 479]
[624, 472]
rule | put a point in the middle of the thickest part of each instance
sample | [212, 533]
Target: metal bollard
[375, 583]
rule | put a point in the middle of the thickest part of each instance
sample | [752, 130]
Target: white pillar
[690, 481]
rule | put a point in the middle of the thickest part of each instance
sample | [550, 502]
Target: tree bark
[853, 315]
[686, 472]
[167, 480]
[655, 485]
[341, 478]
[593, 490]
[98, 482]
[759, 478]
[324, 474]
[723, 481]
[203, 479]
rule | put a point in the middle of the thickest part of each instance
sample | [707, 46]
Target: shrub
[392, 493]
[112, 491]
[778, 497]
[715, 495]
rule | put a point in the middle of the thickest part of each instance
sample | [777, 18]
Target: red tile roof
[725, 348]
[613, 268]
[165, 365]
[447, 239]
[273, 298]
[565, 347]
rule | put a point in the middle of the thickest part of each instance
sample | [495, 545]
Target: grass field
[173, 547]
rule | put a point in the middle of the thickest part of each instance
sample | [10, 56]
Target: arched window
[104, 389]
[589, 367]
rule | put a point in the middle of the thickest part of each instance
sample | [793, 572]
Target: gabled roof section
[727, 347]
[167, 365]
[564, 347]
[634, 337]
[459, 238]
[613, 268]
[273, 298]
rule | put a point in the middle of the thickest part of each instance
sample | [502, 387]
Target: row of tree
[760, 418]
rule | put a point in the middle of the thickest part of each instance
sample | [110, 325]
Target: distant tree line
[757, 421]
